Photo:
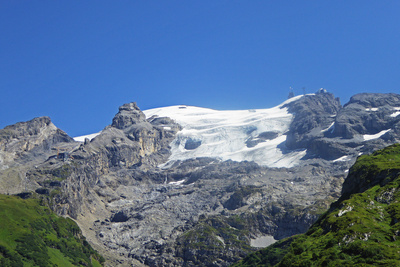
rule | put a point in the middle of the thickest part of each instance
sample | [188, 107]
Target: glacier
[224, 134]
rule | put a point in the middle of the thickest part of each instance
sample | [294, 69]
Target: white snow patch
[262, 241]
[331, 128]
[221, 239]
[223, 134]
[177, 182]
[343, 211]
[397, 113]
[368, 137]
[372, 109]
[83, 137]
[344, 158]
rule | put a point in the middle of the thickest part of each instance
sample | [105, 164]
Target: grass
[57, 256]
[32, 235]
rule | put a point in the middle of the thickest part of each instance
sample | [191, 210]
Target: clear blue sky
[78, 61]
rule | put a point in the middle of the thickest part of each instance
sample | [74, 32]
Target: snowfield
[83, 137]
[368, 137]
[226, 134]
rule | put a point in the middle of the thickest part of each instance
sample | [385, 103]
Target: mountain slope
[32, 235]
[361, 229]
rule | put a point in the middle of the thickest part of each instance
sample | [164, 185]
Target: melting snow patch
[372, 109]
[368, 137]
[331, 128]
[177, 182]
[344, 158]
[83, 137]
[395, 114]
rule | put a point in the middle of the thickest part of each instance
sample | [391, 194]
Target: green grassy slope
[361, 229]
[32, 235]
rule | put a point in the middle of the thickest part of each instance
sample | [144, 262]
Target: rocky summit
[186, 186]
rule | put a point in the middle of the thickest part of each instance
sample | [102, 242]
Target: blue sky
[78, 61]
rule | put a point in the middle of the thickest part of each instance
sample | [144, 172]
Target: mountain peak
[374, 100]
[128, 115]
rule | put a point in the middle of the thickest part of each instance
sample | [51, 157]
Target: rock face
[38, 134]
[22, 146]
[368, 114]
[313, 114]
[132, 140]
[128, 115]
[199, 211]
[329, 131]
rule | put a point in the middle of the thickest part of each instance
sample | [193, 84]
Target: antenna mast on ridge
[291, 92]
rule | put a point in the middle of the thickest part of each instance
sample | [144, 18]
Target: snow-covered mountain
[272, 137]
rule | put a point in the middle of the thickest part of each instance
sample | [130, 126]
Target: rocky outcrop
[36, 135]
[132, 140]
[129, 114]
[367, 114]
[23, 146]
[312, 114]
[329, 131]
[192, 144]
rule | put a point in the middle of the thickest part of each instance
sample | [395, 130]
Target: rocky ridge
[138, 213]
